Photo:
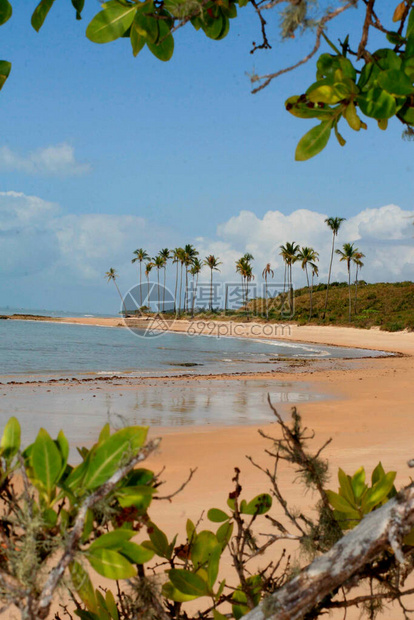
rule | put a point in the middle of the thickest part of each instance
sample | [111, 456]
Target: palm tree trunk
[163, 292]
[122, 299]
[140, 283]
[356, 289]
[158, 282]
[311, 291]
[307, 280]
[329, 275]
[291, 287]
[267, 297]
[186, 291]
[194, 296]
[211, 291]
[176, 286]
[349, 289]
[148, 299]
[181, 287]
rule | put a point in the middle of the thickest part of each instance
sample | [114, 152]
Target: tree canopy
[353, 82]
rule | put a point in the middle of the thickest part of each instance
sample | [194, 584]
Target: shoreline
[368, 411]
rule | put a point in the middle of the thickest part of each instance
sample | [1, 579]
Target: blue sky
[101, 153]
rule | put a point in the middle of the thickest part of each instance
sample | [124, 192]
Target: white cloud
[56, 160]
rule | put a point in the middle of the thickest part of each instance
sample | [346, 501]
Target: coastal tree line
[188, 266]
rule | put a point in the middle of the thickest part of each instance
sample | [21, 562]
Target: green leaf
[190, 529]
[340, 503]
[218, 616]
[5, 11]
[188, 583]
[111, 564]
[137, 41]
[63, 446]
[377, 474]
[83, 586]
[407, 114]
[10, 441]
[396, 82]
[40, 13]
[136, 553]
[326, 65]
[139, 496]
[164, 48]
[410, 24]
[202, 547]
[314, 141]
[383, 123]
[224, 533]
[358, 483]
[111, 605]
[159, 541]
[106, 457]
[213, 565]
[352, 117]
[339, 137]
[78, 6]
[379, 492]
[168, 591]
[387, 59]
[258, 506]
[105, 433]
[5, 68]
[346, 487]
[304, 109]
[394, 38]
[111, 23]
[377, 103]
[145, 24]
[46, 460]
[323, 92]
[217, 516]
[112, 540]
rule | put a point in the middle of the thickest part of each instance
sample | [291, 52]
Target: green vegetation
[60, 521]
[352, 82]
[389, 306]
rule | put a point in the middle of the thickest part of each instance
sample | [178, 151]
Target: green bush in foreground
[58, 521]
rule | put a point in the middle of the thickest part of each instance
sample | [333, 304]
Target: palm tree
[212, 262]
[195, 271]
[244, 268]
[165, 254]
[140, 255]
[348, 254]
[190, 253]
[289, 254]
[112, 275]
[315, 272]
[359, 264]
[267, 271]
[334, 223]
[148, 268]
[159, 263]
[177, 252]
[308, 256]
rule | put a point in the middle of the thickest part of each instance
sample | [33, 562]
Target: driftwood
[380, 530]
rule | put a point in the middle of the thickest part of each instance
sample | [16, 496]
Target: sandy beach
[368, 411]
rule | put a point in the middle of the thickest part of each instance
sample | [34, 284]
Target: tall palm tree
[159, 263]
[112, 275]
[308, 256]
[212, 262]
[359, 264]
[195, 271]
[177, 252]
[289, 253]
[148, 268]
[190, 253]
[165, 254]
[140, 255]
[244, 268]
[334, 223]
[267, 271]
[315, 272]
[348, 254]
